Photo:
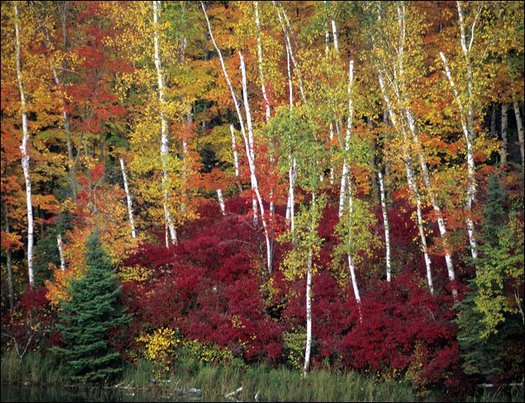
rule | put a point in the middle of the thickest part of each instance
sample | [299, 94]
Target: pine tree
[87, 317]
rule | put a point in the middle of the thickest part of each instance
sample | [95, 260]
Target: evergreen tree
[87, 317]
[488, 323]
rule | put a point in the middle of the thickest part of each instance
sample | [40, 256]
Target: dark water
[13, 393]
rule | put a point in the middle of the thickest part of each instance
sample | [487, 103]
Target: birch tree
[164, 142]
[128, 198]
[24, 147]
[466, 104]
[247, 137]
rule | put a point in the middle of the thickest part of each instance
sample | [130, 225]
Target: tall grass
[33, 368]
[274, 384]
[265, 382]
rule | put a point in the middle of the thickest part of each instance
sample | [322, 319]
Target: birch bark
[263, 90]
[60, 245]
[247, 142]
[519, 124]
[221, 201]
[128, 199]
[344, 175]
[23, 149]
[402, 94]
[385, 225]
[407, 161]
[164, 147]
[467, 119]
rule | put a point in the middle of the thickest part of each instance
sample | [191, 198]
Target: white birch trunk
[221, 201]
[520, 127]
[282, 19]
[260, 62]
[249, 150]
[385, 225]
[263, 90]
[25, 155]
[467, 119]
[467, 127]
[504, 140]
[350, 255]
[128, 199]
[250, 129]
[164, 147]
[252, 165]
[401, 94]
[308, 315]
[412, 186]
[290, 212]
[334, 31]
[344, 176]
[235, 154]
[60, 245]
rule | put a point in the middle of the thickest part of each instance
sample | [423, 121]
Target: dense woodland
[309, 184]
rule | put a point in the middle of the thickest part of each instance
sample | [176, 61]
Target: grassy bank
[269, 384]
[34, 368]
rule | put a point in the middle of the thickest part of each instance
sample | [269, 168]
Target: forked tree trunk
[23, 149]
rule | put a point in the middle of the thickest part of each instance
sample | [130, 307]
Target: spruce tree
[487, 322]
[87, 317]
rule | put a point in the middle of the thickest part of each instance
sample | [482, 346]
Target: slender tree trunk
[308, 346]
[467, 127]
[249, 149]
[290, 214]
[252, 166]
[164, 148]
[23, 149]
[504, 140]
[265, 96]
[385, 225]
[128, 198]
[334, 31]
[285, 25]
[260, 62]
[344, 176]
[247, 144]
[60, 245]
[519, 124]
[467, 120]
[401, 94]
[407, 160]
[350, 254]
[290, 207]
[221, 201]
[234, 151]
[308, 315]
